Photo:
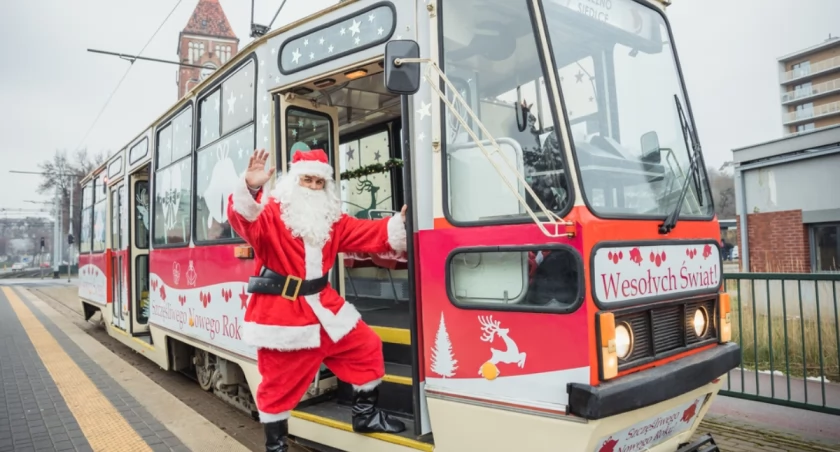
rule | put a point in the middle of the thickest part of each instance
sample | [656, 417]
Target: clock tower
[207, 40]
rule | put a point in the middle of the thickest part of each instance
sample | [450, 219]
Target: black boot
[275, 436]
[369, 419]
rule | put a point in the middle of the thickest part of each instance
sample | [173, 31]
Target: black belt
[289, 287]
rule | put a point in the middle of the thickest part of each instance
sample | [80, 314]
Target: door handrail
[555, 221]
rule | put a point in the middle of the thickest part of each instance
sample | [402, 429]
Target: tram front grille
[665, 330]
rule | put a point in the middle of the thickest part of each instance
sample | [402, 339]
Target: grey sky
[51, 89]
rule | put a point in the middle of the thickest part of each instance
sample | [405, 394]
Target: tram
[562, 284]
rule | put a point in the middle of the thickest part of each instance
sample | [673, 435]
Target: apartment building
[810, 87]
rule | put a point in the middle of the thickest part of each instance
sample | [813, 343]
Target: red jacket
[272, 321]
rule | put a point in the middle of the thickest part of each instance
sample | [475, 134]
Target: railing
[820, 88]
[788, 330]
[816, 112]
[814, 68]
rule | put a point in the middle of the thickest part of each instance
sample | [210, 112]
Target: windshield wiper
[693, 170]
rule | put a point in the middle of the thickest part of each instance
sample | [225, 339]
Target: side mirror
[650, 148]
[405, 78]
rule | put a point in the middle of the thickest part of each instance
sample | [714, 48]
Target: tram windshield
[623, 96]
[624, 100]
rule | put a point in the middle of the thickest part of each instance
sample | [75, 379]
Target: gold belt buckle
[298, 283]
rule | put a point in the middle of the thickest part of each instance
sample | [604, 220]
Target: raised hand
[402, 212]
[255, 175]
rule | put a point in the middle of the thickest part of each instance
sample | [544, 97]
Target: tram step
[396, 344]
[394, 392]
[332, 414]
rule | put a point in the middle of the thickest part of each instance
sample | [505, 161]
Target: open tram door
[138, 250]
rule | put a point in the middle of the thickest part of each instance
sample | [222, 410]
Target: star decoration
[305, 42]
[264, 121]
[350, 153]
[579, 77]
[315, 141]
[354, 29]
[591, 99]
[425, 110]
[262, 62]
[321, 41]
[380, 31]
[300, 122]
[356, 41]
[371, 18]
[231, 102]
[296, 57]
[343, 31]
[262, 81]
[330, 48]
[377, 156]
[311, 55]
[273, 50]
[421, 137]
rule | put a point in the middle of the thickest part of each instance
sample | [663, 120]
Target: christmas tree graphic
[443, 360]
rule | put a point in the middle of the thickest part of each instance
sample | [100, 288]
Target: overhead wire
[122, 79]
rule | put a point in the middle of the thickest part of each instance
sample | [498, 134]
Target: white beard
[308, 214]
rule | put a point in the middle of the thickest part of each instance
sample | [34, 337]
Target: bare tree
[723, 190]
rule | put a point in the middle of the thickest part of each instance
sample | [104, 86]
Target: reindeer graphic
[512, 355]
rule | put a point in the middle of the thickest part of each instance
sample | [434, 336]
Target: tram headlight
[701, 322]
[623, 340]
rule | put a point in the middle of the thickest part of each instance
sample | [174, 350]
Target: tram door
[138, 249]
[120, 305]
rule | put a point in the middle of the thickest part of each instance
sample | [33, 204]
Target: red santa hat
[311, 163]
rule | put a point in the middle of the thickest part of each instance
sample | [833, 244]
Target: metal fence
[788, 328]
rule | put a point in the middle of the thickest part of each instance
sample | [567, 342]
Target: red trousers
[286, 375]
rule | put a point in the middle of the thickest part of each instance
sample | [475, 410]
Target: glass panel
[87, 195]
[209, 120]
[367, 196]
[115, 168]
[138, 151]
[220, 167]
[182, 134]
[172, 204]
[497, 69]
[619, 80]
[100, 212]
[238, 99]
[164, 146]
[141, 214]
[545, 278]
[307, 130]
[826, 257]
[349, 35]
[141, 279]
[115, 220]
[86, 238]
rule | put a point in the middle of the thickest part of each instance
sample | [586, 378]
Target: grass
[790, 343]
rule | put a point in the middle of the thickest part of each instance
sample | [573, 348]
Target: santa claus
[294, 317]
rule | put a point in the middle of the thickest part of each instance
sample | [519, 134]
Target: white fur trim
[283, 338]
[312, 168]
[336, 325]
[265, 418]
[244, 203]
[396, 233]
[367, 386]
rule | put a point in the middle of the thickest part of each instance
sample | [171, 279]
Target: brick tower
[207, 40]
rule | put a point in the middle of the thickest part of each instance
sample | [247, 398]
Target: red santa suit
[294, 336]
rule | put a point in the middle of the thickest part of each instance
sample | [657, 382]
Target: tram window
[209, 121]
[138, 151]
[496, 72]
[141, 214]
[100, 212]
[141, 278]
[175, 140]
[219, 170]
[528, 279]
[172, 204]
[116, 243]
[362, 197]
[306, 129]
[238, 98]
[87, 216]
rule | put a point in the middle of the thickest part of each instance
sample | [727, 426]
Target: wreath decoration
[372, 169]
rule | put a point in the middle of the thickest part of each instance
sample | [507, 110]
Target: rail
[788, 329]
[559, 224]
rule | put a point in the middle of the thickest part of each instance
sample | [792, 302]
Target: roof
[832, 41]
[209, 19]
[809, 141]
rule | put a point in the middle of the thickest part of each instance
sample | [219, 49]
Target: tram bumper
[651, 386]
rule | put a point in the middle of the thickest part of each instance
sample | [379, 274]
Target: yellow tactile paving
[103, 426]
